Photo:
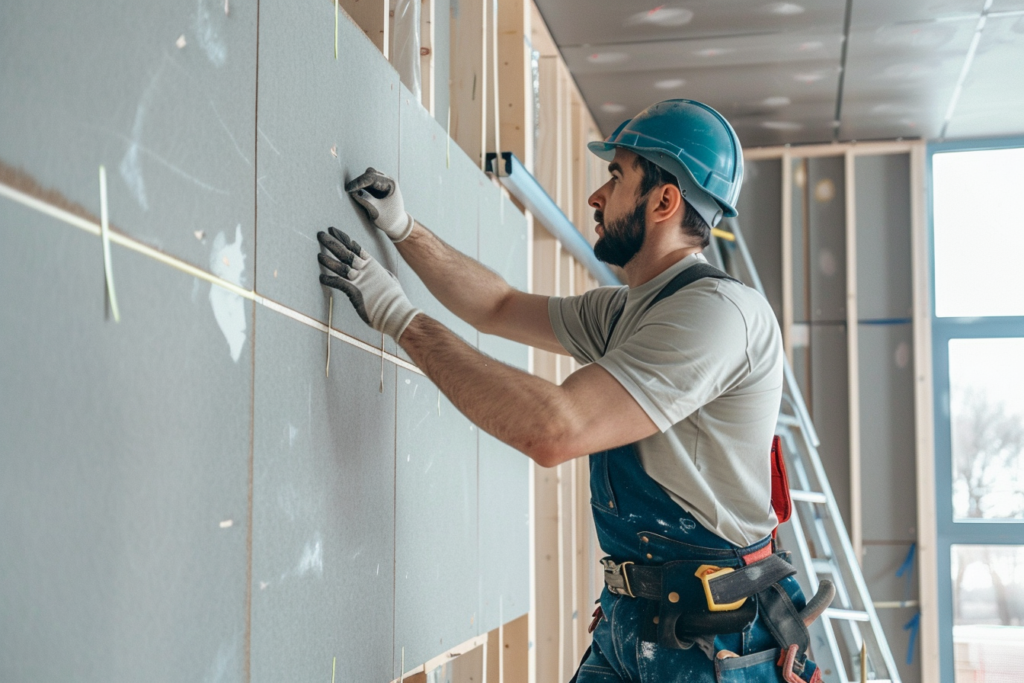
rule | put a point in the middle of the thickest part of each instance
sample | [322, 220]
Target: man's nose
[596, 200]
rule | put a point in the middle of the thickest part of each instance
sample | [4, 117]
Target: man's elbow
[493, 320]
[554, 447]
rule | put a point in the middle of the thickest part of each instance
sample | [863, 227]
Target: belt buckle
[612, 569]
[707, 572]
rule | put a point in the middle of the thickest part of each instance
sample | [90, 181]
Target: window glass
[988, 613]
[978, 220]
[986, 401]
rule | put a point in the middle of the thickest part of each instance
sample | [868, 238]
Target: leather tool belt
[695, 599]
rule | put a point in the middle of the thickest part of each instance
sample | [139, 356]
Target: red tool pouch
[781, 502]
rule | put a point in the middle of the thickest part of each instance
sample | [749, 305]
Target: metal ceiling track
[815, 534]
[524, 187]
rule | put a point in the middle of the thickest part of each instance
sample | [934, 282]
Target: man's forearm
[522, 410]
[467, 288]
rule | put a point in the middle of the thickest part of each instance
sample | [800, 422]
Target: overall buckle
[708, 572]
[616, 579]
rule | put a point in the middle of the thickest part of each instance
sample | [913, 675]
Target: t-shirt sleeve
[688, 350]
[581, 322]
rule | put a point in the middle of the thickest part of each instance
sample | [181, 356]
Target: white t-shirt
[706, 364]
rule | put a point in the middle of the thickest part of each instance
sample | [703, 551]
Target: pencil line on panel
[123, 240]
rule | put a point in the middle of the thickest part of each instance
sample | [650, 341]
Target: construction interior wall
[193, 492]
[833, 211]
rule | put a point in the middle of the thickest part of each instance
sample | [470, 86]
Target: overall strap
[698, 271]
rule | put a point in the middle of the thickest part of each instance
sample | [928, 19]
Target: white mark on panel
[227, 524]
[228, 262]
[208, 37]
[312, 559]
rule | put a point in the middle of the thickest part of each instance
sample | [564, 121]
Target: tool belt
[691, 601]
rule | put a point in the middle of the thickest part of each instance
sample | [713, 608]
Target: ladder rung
[823, 566]
[808, 496]
[789, 420]
[846, 615]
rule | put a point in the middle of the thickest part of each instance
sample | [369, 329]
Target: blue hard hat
[693, 142]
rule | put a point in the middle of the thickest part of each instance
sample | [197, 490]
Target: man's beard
[623, 237]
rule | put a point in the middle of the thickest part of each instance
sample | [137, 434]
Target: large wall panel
[323, 507]
[106, 83]
[504, 471]
[437, 590]
[322, 122]
[124, 467]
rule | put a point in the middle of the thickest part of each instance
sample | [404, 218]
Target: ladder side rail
[824, 645]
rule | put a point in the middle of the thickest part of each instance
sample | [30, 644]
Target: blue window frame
[953, 530]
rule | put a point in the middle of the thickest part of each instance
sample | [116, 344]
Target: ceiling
[804, 71]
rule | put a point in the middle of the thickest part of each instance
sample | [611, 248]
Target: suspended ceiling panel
[780, 73]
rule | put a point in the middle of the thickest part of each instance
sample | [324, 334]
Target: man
[676, 403]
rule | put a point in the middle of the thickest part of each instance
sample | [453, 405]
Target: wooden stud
[468, 73]
[372, 16]
[853, 360]
[427, 76]
[515, 79]
[924, 397]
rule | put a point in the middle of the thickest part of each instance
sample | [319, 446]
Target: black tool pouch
[683, 614]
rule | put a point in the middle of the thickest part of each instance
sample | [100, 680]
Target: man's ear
[668, 201]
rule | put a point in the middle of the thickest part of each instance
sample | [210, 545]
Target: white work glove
[379, 195]
[373, 291]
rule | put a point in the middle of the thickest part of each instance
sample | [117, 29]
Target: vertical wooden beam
[469, 80]
[853, 358]
[515, 79]
[787, 255]
[373, 17]
[547, 162]
[427, 76]
[924, 397]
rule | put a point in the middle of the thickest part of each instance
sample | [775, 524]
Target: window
[977, 223]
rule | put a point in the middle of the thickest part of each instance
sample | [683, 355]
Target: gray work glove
[373, 291]
[379, 195]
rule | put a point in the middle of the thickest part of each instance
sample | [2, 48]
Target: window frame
[950, 532]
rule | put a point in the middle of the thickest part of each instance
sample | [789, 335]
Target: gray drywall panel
[887, 436]
[504, 472]
[826, 188]
[760, 219]
[883, 236]
[322, 122]
[830, 408]
[503, 249]
[124, 466]
[86, 84]
[440, 187]
[323, 507]
[437, 589]
[504, 533]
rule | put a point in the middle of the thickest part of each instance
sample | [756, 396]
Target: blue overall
[637, 521]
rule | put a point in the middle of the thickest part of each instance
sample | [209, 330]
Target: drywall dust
[208, 26]
[227, 261]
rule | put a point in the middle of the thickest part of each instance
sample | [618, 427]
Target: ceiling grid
[810, 71]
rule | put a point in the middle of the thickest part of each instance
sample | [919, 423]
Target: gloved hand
[373, 291]
[379, 195]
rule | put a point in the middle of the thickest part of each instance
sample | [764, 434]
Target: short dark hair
[652, 176]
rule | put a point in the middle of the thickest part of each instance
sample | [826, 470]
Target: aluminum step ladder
[816, 534]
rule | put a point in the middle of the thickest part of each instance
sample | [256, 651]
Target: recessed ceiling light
[613, 108]
[809, 77]
[607, 57]
[784, 8]
[713, 51]
[662, 16]
[669, 83]
[782, 125]
[776, 101]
